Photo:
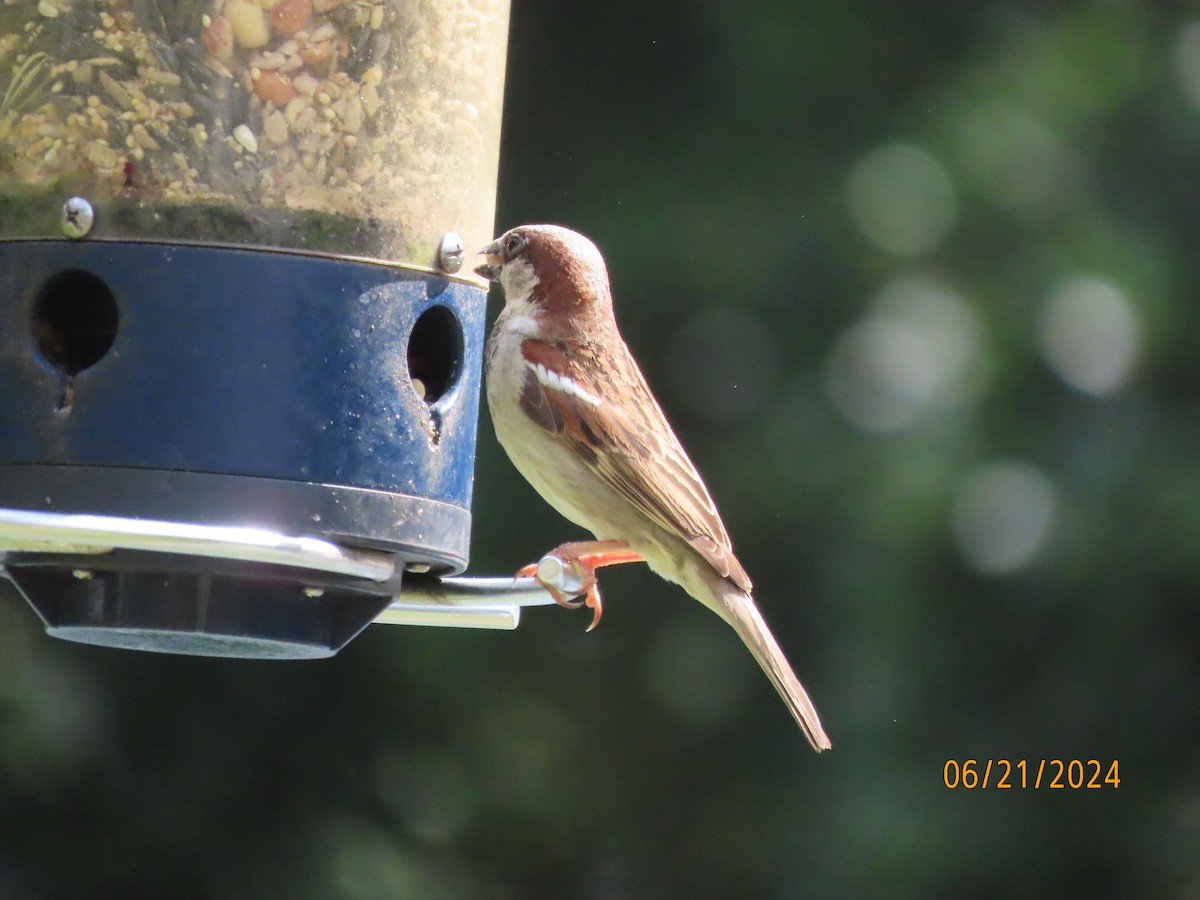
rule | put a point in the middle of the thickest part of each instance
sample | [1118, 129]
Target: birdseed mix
[368, 127]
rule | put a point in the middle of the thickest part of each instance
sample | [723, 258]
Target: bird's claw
[591, 600]
[569, 580]
[529, 571]
[568, 572]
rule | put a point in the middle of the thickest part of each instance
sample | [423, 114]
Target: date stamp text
[1031, 774]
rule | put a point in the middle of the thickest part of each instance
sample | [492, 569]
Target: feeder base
[180, 644]
[262, 613]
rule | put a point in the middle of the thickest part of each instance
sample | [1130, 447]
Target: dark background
[917, 284]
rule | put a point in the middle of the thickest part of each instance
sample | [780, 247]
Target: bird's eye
[514, 244]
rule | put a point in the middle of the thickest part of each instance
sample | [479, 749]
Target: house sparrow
[575, 415]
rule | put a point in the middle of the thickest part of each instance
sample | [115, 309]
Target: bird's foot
[569, 572]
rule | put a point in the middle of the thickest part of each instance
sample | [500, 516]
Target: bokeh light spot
[1013, 158]
[1002, 515]
[948, 325]
[1187, 62]
[880, 375]
[901, 199]
[917, 348]
[1090, 334]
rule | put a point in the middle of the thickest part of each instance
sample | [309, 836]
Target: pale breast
[546, 462]
[559, 475]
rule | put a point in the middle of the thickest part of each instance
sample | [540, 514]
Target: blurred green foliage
[916, 283]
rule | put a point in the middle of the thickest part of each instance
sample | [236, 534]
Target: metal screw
[450, 253]
[77, 217]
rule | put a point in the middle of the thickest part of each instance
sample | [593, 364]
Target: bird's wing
[629, 444]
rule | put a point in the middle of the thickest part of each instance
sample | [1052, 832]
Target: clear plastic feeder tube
[367, 128]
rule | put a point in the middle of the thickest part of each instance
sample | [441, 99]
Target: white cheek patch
[518, 281]
[563, 384]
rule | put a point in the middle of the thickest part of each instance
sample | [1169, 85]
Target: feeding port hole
[435, 353]
[75, 321]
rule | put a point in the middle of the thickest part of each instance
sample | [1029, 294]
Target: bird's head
[551, 267]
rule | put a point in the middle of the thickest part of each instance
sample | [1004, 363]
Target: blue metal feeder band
[305, 394]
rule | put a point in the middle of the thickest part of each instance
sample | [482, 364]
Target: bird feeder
[239, 353]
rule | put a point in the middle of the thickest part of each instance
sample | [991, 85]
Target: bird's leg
[569, 570]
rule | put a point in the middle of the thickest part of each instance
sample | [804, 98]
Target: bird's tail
[739, 610]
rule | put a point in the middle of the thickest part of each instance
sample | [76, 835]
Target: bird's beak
[490, 269]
